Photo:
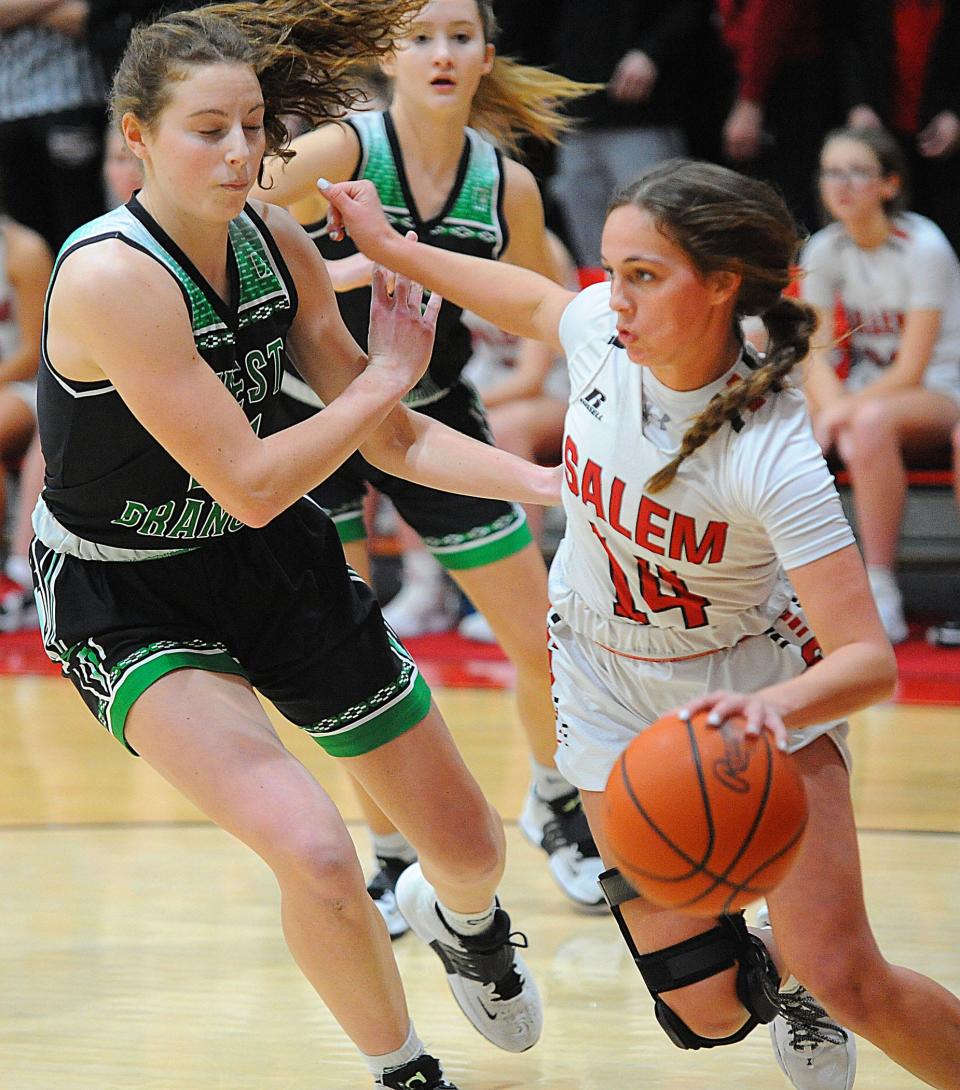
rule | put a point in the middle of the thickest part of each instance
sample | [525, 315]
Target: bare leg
[423, 786]
[915, 421]
[820, 919]
[208, 736]
[512, 595]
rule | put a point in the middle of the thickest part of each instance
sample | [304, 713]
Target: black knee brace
[727, 945]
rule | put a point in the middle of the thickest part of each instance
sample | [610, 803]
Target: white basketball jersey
[915, 268]
[699, 565]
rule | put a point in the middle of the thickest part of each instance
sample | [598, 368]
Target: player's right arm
[513, 298]
[148, 354]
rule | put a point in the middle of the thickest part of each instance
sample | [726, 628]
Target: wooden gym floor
[140, 947]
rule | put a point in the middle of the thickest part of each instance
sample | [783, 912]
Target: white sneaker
[382, 888]
[486, 975]
[560, 828]
[476, 627]
[419, 609]
[813, 1051]
[889, 601]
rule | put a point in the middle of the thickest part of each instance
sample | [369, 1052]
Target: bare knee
[869, 430]
[325, 866]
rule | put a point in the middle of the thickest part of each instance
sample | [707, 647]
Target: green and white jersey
[111, 490]
[470, 222]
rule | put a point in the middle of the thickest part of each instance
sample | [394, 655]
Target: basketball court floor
[140, 947]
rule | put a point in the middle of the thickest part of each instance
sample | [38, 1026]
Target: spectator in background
[780, 81]
[905, 74]
[25, 266]
[51, 117]
[641, 54]
[899, 283]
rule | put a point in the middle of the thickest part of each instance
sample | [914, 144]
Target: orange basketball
[703, 819]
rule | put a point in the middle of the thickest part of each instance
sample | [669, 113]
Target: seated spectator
[898, 281]
[25, 266]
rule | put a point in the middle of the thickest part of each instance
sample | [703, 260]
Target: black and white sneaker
[813, 1050]
[382, 888]
[486, 974]
[560, 828]
[423, 1073]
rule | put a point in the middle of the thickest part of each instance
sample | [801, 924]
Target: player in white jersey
[898, 395]
[697, 503]
[24, 271]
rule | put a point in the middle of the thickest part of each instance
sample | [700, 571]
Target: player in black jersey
[176, 565]
[435, 158]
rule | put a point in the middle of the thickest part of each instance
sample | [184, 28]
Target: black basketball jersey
[109, 483]
[470, 222]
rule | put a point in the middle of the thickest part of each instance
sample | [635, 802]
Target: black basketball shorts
[460, 531]
[276, 605]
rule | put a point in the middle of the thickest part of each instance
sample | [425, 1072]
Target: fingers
[758, 715]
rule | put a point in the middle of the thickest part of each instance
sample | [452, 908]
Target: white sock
[392, 846]
[411, 1048]
[548, 782]
[469, 923]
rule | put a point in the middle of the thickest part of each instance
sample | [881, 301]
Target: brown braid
[725, 221]
[302, 51]
[790, 324]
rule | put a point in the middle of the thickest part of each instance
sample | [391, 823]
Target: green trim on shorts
[141, 675]
[395, 720]
[485, 552]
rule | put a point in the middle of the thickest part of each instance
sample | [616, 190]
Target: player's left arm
[407, 444]
[529, 244]
[858, 667]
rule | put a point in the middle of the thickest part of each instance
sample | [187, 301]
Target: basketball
[703, 819]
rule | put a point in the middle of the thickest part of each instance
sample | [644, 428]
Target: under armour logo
[593, 401]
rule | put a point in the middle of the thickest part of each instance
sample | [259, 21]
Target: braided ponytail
[790, 324]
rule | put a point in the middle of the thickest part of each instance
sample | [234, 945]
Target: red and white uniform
[915, 268]
[10, 328]
[691, 577]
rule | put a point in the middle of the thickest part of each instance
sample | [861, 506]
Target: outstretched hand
[758, 713]
[401, 332]
[355, 210]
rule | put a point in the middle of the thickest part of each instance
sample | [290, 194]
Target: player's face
[669, 316]
[852, 184]
[443, 58]
[203, 152]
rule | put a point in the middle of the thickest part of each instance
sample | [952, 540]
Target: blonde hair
[726, 221]
[302, 52]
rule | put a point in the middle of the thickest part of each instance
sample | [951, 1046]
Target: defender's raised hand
[401, 329]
